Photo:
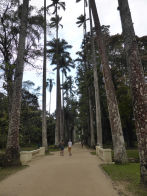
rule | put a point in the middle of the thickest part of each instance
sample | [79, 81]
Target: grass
[129, 173]
[133, 154]
[5, 172]
[93, 152]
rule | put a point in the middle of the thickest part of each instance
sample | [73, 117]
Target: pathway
[76, 175]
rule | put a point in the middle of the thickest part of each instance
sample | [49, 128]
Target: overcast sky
[108, 15]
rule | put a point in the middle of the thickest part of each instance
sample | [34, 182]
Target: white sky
[108, 15]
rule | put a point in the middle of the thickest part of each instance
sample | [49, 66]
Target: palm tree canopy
[56, 4]
[64, 58]
[81, 20]
[85, 2]
[55, 21]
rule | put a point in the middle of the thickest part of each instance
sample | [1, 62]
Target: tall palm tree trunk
[96, 86]
[137, 83]
[92, 138]
[59, 126]
[62, 116]
[12, 150]
[58, 109]
[114, 116]
[44, 128]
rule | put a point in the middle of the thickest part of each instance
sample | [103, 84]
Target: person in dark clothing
[61, 145]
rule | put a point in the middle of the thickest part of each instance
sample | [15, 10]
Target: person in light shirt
[69, 147]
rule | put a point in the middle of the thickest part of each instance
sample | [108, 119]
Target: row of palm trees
[137, 84]
[12, 149]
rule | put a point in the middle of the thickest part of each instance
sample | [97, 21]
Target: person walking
[69, 147]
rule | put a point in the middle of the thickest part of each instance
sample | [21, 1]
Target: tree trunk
[12, 150]
[137, 83]
[114, 116]
[92, 139]
[44, 128]
[61, 125]
[58, 109]
[62, 112]
[96, 87]
[58, 129]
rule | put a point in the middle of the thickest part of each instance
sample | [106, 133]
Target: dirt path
[76, 175]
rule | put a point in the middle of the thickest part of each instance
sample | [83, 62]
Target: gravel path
[76, 175]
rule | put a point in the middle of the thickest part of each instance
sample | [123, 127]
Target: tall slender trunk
[137, 83]
[62, 114]
[61, 118]
[44, 128]
[92, 138]
[58, 92]
[114, 116]
[96, 86]
[12, 150]
[58, 109]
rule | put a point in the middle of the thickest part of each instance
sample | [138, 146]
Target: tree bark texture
[12, 150]
[61, 125]
[92, 138]
[44, 128]
[58, 108]
[96, 86]
[137, 83]
[114, 116]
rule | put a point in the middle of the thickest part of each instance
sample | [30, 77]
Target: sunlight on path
[76, 175]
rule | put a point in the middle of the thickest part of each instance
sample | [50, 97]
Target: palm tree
[137, 83]
[54, 22]
[44, 129]
[12, 150]
[50, 84]
[114, 116]
[96, 85]
[56, 4]
[63, 61]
